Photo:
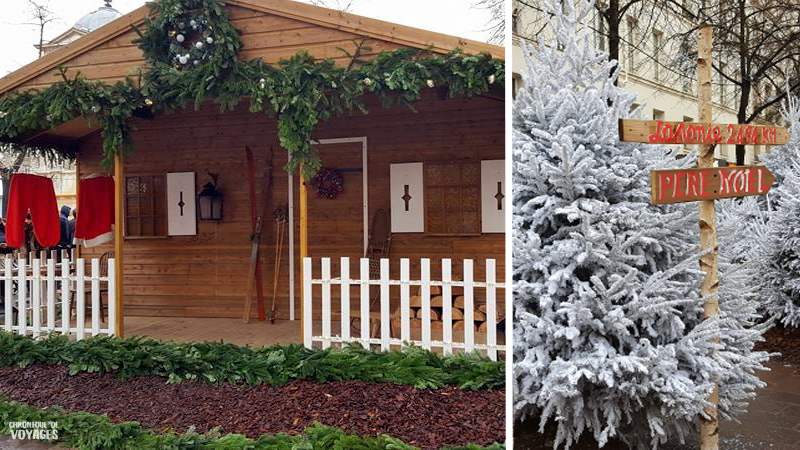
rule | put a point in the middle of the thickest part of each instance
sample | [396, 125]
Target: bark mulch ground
[420, 417]
[785, 341]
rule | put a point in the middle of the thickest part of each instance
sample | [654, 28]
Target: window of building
[145, 206]
[658, 114]
[632, 41]
[453, 197]
[514, 21]
[723, 98]
[600, 32]
[657, 40]
[685, 60]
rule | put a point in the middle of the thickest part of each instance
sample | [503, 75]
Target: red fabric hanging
[95, 223]
[32, 193]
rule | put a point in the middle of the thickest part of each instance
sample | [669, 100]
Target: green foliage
[217, 362]
[89, 431]
[302, 92]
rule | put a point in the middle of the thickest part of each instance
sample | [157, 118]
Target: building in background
[651, 58]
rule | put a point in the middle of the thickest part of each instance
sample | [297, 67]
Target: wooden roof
[121, 56]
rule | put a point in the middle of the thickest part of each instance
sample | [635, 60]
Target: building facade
[653, 62]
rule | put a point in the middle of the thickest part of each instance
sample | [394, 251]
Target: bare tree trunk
[747, 85]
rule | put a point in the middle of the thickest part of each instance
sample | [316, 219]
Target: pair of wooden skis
[254, 279]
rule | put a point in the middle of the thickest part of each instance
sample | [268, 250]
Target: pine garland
[300, 91]
[216, 362]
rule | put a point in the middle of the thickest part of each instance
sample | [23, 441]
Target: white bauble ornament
[262, 83]
[180, 38]
[210, 40]
[184, 59]
[199, 45]
[491, 79]
[430, 83]
[148, 102]
[367, 81]
[95, 108]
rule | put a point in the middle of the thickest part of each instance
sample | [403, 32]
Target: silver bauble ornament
[180, 38]
[210, 40]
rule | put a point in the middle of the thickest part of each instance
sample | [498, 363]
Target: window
[657, 39]
[515, 21]
[686, 59]
[658, 114]
[723, 100]
[632, 38]
[453, 197]
[600, 32]
[145, 209]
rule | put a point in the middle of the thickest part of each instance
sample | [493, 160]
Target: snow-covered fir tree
[608, 330]
[776, 238]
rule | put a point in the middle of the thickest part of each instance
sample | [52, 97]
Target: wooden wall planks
[204, 275]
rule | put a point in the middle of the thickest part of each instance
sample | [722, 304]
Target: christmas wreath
[190, 40]
[190, 33]
[328, 182]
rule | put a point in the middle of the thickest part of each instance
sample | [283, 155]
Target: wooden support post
[709, 428]
[119, 179]
[303, 243]
[77, 252]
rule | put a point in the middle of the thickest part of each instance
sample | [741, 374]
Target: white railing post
[307, 324]
[80, 301]
[426, 302]
[22, 293]
[491, 314]
[51, 293]
[36, 295]
[65, 290]
[365, 319]
[447, 306]
[345, 294]
[405, 302]
[112, 297]
[326, 302]
[95, 296]
[469, 308]
[9, 280]
[385, 313]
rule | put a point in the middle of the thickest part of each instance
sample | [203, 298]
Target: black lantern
[209, 200]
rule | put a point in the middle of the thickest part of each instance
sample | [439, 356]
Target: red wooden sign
[660, 132]
[689, 185]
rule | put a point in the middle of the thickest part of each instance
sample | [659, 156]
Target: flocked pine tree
[608, 330]
[776, 239]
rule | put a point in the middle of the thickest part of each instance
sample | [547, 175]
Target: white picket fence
[44, 289]
[447, 343]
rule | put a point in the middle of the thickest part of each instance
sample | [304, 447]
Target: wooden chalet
[436, 171]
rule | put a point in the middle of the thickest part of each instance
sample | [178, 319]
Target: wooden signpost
[704, 185]
[690, 185]
[660, 132]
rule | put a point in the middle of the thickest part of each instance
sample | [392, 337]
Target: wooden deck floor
[234, 331]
